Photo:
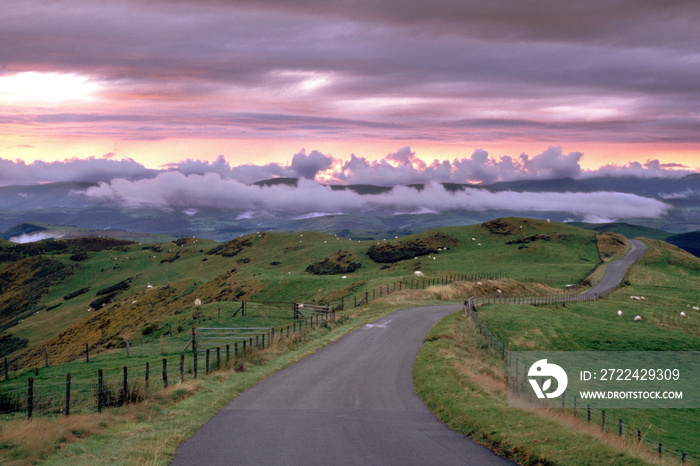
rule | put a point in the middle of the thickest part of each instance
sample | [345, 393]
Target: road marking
[379, 325]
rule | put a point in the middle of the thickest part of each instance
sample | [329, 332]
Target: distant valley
[64, 210]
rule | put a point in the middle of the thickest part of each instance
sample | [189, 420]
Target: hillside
[106, 290]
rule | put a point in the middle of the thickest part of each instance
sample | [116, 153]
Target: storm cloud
[622, 71]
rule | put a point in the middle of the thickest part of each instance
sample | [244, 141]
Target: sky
[365, 91]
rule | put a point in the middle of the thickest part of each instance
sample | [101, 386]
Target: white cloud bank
[173, 190]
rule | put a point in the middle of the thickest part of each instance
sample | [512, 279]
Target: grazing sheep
[197, 303]
[637, 318]
[499, 291]
[642, 298]
[418, 273]
[478, 283]
[682, 314]
[344, 276]
[695, 308]
[619, 313]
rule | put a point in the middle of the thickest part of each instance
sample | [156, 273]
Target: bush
[149, 329]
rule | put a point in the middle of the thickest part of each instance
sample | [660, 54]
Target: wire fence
[92, 388]
[588, 412]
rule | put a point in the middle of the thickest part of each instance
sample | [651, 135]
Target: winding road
[351, 403]
[615, 271]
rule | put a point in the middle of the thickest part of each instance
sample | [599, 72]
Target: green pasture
[669, 282]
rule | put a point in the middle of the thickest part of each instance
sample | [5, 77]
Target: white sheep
[418, 273]
[682, 314]
[344, 276]
[499, 291]
[197, 303]
[642, 298]
[619, 313]
[695, 308]
[478, 283]
[637, 318]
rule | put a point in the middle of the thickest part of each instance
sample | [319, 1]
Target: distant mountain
[626, 229]
[44, 196]
[688, 241]
[687, 187]
[65, 204]
[30, 232]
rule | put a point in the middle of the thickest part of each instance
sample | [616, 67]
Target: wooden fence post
[100, 390]
[7, 373]
[87, 353]
[67, 410]
[182, 367]
[147, 371]
[194, 360]
[30, 397]
[125, 387]
[165, 373]
[603, 421]
[218, 358]
[206, 365]
[228, 349]
[46, 355]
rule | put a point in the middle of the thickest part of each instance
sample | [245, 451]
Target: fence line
[100, 388]
[420, 284]
[590, 413]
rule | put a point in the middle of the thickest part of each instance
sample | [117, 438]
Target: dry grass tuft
[27, 442]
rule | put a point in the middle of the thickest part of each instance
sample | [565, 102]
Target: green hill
[57, 296]
[135, 284]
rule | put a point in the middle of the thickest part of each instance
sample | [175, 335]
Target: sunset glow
[257, 82]
[45, 88]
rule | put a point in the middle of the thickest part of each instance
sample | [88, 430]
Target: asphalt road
[615, 271]
[351, 403]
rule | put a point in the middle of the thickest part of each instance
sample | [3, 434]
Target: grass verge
[465, 386]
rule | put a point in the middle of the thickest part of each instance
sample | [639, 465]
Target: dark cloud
[620, 70]
[79, 170]
[308, 166]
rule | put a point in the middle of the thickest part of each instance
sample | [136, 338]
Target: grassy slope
[668, 278]
[466, 388]
[555, 254]
[272, 268]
